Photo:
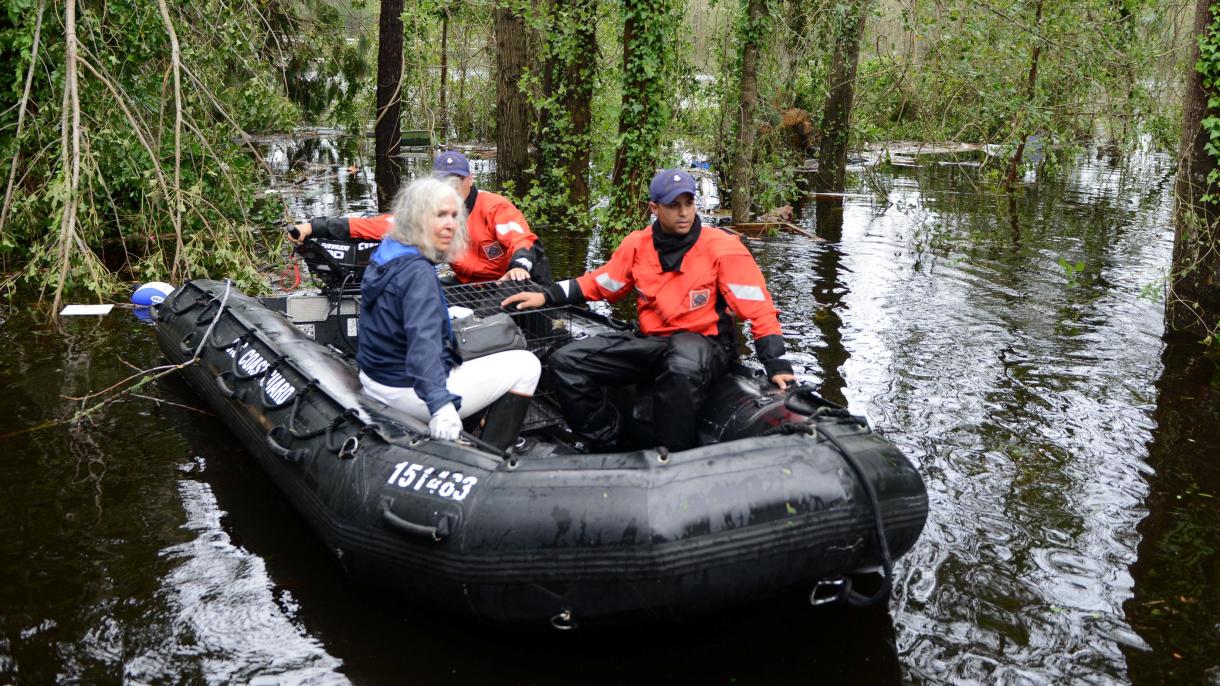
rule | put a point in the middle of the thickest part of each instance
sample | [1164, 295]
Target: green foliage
[471, 93]
[239, 66]
[1072, 271]
[651, 69]
[1208, 67]
[963, 74]
[561, 89]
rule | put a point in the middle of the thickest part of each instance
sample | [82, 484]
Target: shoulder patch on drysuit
[493, 250]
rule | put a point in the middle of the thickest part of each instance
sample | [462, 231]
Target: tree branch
[25, 99]
[176, 61]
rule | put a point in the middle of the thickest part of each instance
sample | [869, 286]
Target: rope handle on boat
[236, 342]
[345, 449]
[187, 346]
[230, 392]
[199, 318]
[207, 335]
[436, 533]
[296, 409]
[175, 311]
[855, 598]
[294, 456]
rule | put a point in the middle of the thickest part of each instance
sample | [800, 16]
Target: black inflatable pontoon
[790, 492]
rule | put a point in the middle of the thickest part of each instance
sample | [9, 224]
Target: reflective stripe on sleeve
[568, 286]
[509, 228]
[525, 264]
[744, 292]
[607, 282]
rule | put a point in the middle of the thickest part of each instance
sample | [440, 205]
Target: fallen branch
[25, 99]
[70, 148]
[144, 378]
[162, 401]
[176, 61]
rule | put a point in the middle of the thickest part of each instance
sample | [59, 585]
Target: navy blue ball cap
[668, 184]
[451, 163]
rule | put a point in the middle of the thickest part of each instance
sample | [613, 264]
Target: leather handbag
[482, 336]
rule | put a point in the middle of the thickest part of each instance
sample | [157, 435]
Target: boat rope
[853, 597]
[224, 300]
[291, 425]
[236, 342]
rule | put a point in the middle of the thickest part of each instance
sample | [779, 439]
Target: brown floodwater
[1070, 454]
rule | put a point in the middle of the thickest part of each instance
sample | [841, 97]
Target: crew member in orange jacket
[689, 281]
[502, 246]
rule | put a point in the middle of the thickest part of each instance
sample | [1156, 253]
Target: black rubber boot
[502, 423]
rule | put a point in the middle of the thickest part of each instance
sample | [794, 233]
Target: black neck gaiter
[671, 248]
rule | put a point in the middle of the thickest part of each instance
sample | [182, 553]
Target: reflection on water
[1178, 568]
[227, 617]
[1069, 456]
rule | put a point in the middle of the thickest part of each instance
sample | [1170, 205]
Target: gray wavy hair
[414, 208]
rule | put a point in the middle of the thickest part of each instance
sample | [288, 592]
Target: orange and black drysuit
[499, 237]
[687, 290]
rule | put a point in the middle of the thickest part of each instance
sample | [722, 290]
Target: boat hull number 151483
[446, 484]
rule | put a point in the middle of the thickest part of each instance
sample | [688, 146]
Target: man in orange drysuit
[502, 246]
[689, 281]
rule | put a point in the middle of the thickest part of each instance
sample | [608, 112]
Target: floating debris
[81, 310]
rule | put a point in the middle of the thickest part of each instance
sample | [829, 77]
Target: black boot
[502, 424]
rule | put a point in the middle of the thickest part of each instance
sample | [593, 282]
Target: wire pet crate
[544, 329]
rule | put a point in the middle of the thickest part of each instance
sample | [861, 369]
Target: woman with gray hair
[407, 354]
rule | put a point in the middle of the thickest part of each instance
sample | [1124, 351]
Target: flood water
[1070, 455]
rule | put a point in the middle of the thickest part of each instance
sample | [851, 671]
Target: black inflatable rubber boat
[788, 491]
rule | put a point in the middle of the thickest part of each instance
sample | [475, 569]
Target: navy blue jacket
[405, 338]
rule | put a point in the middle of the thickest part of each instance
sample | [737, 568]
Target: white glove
[446, 425]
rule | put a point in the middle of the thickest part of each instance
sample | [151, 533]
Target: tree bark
[176, 62]
[649, 33]
[570, 79]
[69, 151]
[512, 108]
[578, 102]
[388, 127]
[443, 124]
[743, 158]
[836, 116]
[628, 177]
[1031, 85]
[1192, 305]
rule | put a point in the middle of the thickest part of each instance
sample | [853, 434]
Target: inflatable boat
[786, 492]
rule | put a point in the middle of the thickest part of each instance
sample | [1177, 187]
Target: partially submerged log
[757, 229]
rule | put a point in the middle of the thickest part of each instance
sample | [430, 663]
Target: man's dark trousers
[680, 368]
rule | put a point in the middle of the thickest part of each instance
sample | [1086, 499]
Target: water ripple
[224, 614]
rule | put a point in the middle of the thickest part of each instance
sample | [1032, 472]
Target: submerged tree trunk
[578, 103]
[753, 34]
[836, 116]
[569, 75]
[512, 108]
[443, 124]
[649, 35]
[1192, 305]
[387, 129]
[1031, 86]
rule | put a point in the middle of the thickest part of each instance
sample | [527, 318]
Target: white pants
[479, 383]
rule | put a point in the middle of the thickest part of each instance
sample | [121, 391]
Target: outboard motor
[339, 264]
